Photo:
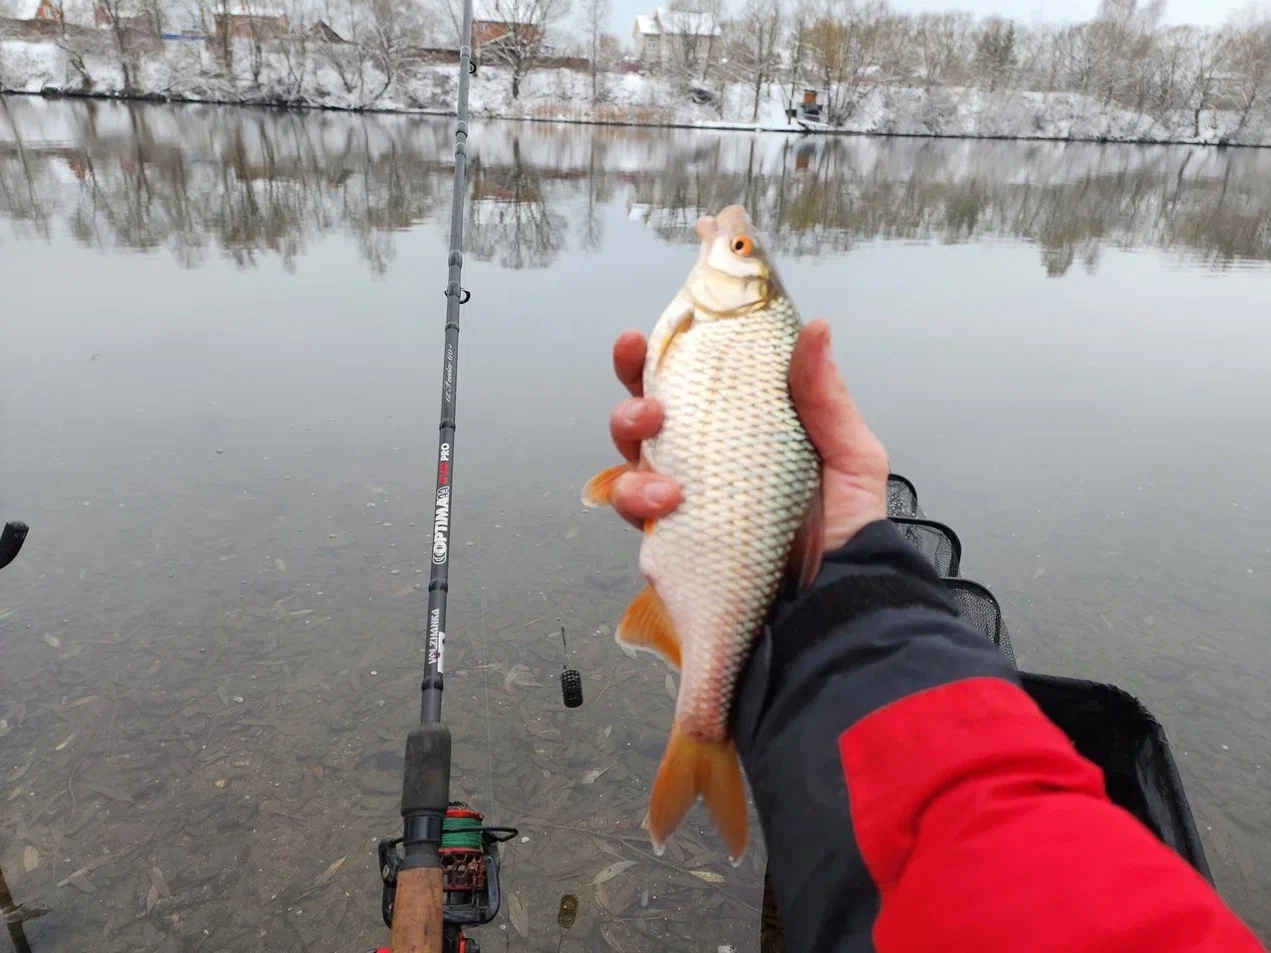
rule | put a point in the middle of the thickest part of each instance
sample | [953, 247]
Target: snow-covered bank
[325, 77]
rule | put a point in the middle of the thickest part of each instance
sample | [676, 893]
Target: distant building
[322, 31]
[669, 37]
[492, 25]
[491, 32]
[247, 21]
[127, 15]
[45, 10]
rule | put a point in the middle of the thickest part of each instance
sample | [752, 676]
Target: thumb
[829, 415]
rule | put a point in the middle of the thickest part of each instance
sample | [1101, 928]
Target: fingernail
[659, 494]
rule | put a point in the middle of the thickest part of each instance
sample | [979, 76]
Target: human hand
[853, 461]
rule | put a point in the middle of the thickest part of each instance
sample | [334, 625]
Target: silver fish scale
[732, 439]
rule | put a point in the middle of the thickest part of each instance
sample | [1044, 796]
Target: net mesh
[980, 608]
[934, 540]
[902, 498]
[941, 547]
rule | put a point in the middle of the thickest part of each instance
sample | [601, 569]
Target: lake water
[220, 340]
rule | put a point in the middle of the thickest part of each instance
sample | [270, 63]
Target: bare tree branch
[755, 48]
[595, 15]
[515, 33]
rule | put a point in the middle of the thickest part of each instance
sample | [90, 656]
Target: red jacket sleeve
[985, 830]
[914, 797]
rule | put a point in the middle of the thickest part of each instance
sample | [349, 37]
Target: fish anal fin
[647, 625]
[692, 769]
[599, 489]
[809, 543]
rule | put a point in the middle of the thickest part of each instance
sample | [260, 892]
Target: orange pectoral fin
[691, 768]
[809, 543]
[681, 327]
[672, 324]
[599, 489]
[647, 625]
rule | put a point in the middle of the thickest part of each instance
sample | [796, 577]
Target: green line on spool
[462, 832]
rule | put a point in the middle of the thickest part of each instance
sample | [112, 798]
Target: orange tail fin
[691, 768]
[599, 489]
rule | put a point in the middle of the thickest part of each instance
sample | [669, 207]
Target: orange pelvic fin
[808, 545]
[647, 625]
[690, 769]
[599, 489]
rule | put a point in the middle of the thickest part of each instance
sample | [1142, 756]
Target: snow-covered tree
[693, 30]
[395, 30]
[1248, 54]
[850, 47]
[1125, 34]
[939, 45]
[754, 49]
[996, 55]
[595, 16]
[522, 27]
[801, 16]
[122, 18]
[1203, 69]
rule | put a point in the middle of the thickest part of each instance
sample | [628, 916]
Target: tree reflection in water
[252, 184]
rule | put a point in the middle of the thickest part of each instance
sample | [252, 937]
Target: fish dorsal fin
[809, 543]
[647, 625]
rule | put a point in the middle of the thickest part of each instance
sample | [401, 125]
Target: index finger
[628, 361]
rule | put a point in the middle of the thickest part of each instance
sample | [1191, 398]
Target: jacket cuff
[831, 632]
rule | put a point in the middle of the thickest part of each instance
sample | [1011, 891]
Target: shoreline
[703, 126]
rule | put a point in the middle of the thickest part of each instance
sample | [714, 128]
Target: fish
[750, 515]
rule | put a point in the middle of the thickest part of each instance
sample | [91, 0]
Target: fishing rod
[442, 874]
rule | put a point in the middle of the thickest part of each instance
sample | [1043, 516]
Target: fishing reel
[470, 874]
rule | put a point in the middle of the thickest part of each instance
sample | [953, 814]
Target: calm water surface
[219, 356]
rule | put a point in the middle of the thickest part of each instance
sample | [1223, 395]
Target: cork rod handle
[417, 925]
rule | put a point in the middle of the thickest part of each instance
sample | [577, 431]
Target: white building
[670, 37]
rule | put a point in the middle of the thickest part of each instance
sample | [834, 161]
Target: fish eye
[743, 245]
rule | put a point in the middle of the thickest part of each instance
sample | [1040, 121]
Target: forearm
[912, 795]
[809, 678]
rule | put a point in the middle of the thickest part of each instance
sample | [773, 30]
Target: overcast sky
[1049, 11]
